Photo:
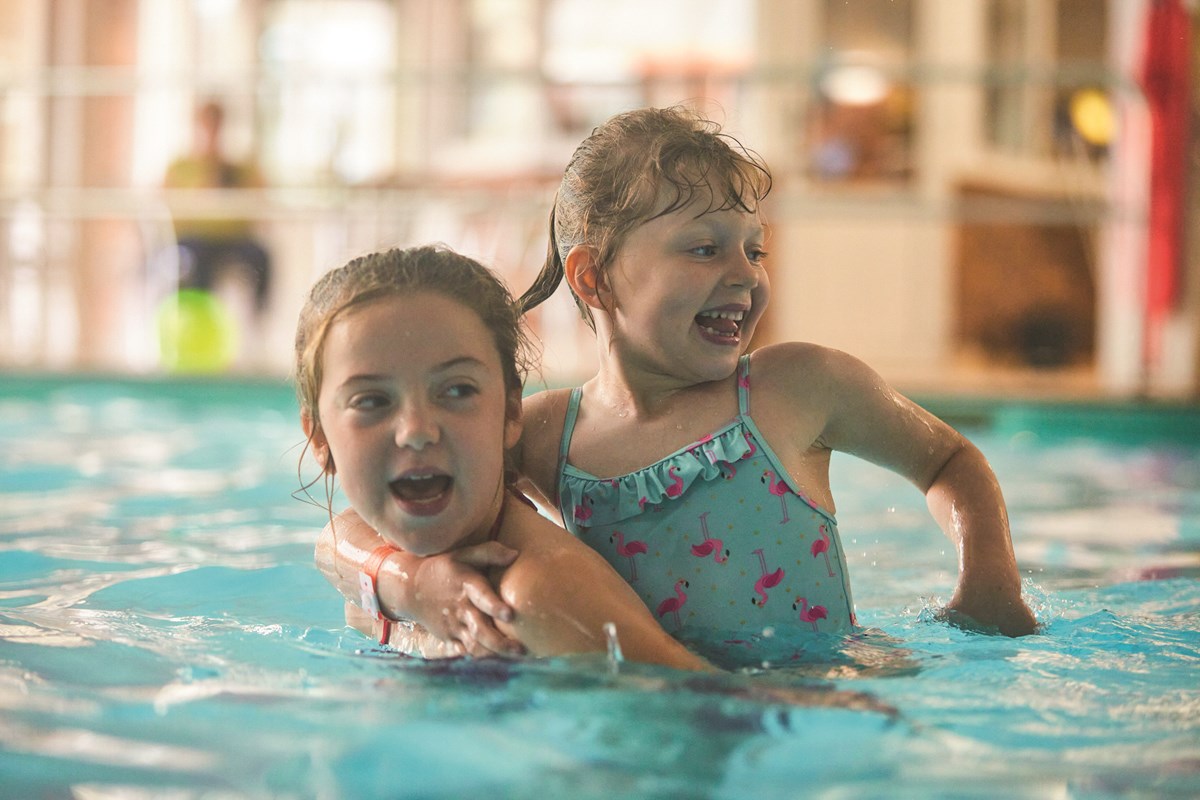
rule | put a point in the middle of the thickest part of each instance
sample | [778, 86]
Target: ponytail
[548, 279]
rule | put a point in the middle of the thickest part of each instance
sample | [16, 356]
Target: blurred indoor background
[971, 195]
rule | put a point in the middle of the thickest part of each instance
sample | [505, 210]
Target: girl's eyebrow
[460, 361]
[708, 222]
[351, 380]
[445, 366]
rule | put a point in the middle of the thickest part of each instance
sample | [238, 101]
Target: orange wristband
[369, 594]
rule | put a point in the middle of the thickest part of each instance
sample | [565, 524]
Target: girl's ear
[513, 420]
[320, 445]
[585, 277]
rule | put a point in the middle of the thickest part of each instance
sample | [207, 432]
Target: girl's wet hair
[430, 268]
[617, 177]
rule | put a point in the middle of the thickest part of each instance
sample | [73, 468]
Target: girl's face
[412, 411]
[688, 291]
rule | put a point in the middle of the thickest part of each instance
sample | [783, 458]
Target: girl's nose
[743, 271]
[417, 427]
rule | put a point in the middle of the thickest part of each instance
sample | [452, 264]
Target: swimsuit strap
[743, 385]
[495, 531]
[564, 443]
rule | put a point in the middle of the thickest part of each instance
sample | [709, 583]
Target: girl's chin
[423, 534]
[716, 363]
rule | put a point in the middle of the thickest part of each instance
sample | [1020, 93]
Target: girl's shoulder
[542, 425]
[546, 553]
[530, 533]
[545, 406]
[821, 380]
[792, 365]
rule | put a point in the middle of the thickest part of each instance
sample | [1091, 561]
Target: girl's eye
[368, 402]
[756, 255]
[706, 250]
[462, 391]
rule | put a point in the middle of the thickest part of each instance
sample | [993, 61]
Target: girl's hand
[982, 608]
[457, 603]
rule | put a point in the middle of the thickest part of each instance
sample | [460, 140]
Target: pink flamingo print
[767, 581]
[779, 489]
[583, 511]
[673, 604]
[750, 441]
[744, 381]
[710, 546]
[643, 502]
[629, 549]
[821, 548]
[709, 453]
[676, 487]
[809, 614]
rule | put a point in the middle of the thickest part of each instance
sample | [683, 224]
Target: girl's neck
[492, 530]
[641, 395]
[628, 386]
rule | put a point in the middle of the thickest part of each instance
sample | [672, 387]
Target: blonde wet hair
[617, 177]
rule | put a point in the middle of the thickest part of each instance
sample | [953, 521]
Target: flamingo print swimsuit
[714, 538]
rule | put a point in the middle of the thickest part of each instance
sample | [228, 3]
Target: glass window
[1047, 89]
[637, 53]
[860, 125]
[329, 107]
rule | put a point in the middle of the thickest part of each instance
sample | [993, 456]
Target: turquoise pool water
[164, 633]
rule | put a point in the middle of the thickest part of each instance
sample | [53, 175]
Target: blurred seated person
[210, 246]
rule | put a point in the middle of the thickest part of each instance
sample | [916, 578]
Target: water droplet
[615, 657]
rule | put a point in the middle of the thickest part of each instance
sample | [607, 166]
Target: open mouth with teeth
[721, 324]
[421, 488]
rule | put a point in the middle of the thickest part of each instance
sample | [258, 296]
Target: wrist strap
[368, 591]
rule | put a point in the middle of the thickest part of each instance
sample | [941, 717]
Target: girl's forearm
[406, 637]
[448, 595]
[966, 500]
[341, 553]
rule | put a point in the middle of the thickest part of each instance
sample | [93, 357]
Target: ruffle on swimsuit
[604, 501]
[598, 501]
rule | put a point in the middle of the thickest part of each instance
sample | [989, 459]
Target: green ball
[196, 333]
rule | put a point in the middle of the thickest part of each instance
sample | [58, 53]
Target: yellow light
[1092, 116]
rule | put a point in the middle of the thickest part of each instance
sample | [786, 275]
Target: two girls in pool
[718, 514]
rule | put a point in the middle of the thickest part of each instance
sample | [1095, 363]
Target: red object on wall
[1166, 72]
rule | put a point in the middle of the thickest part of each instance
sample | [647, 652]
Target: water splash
[615, 657]
[1047, 606]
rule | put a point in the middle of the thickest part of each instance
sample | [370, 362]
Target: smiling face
[688, 290]
[415, 415]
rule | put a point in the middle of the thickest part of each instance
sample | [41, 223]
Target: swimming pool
[163, 632]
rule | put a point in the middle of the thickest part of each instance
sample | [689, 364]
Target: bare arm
[865, 417]
[967, 503]
[565, 594]
[447, 594]
[407, 637]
